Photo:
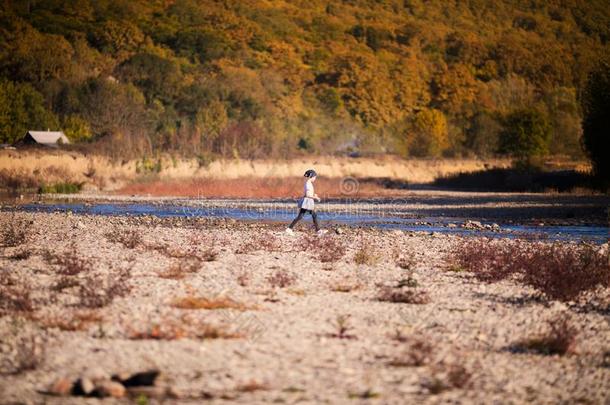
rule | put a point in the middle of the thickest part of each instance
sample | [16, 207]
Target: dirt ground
[102, 296]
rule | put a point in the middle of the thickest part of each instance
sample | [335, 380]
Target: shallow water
[268, 211]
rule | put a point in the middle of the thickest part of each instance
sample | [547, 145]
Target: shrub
[281, 279]
[559, 271]
[410, 296]
[69, 263]
[97, 292]
[327, 249]
[365, 255]
[179, 270]
[446, 377]
[14, 232]
[14, 294]
[27, 352]
[129, 238]
[560, 338]
[342, 326]
[243, 279]
[406, 262]
[264, 242]
[417, 351]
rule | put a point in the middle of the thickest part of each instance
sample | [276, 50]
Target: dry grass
[345, 286]
[172, 329]
[14, 294]
[181, 269]
[97, 292]
[366, 255]
[26, 353]
[252, 386]
[21, 254]
[68, 263]
[76, 321]
[398, 295]
[14, 233]
[416, 351]
[243, 279]
[191, 302]
[130, 238]
[248, 187]
[266, 242]
[446, 377]
[406, 262]
[559, 338]
[557, 270]
[65, 282]
[328, 249]
[281, 279]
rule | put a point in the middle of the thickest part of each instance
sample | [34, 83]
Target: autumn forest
[256, 78]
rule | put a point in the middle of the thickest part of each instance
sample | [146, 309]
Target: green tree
[21, 109]
[526, 135]
[76, 128]
[595, 101]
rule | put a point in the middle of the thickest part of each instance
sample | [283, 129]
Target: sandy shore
[303, 328]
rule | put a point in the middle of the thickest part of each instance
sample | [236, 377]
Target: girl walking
[306, 204]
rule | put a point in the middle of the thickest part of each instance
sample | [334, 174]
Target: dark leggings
[302, 212]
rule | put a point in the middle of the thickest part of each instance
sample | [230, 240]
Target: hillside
[260, 78]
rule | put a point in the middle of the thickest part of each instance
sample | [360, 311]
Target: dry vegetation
[281, 279]
[14, 232]
[366, 255]
[191, 302]
[556, 270]
[329, 249]
[558, 338]
[15, 294]
[415, 351]
[403, 296]
[177, 328]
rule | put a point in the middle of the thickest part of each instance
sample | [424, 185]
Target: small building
[46, 138]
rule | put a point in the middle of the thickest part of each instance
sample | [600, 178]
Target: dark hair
[310, 173]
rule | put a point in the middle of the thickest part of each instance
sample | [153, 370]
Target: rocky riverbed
[228, 311]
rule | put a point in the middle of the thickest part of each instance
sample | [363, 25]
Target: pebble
[85, 385]
[110, 389]
[62, 387]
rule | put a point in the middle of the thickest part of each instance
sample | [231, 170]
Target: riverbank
[33, 167]
[231, 311]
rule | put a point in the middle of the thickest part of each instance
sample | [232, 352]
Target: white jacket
[307, 201]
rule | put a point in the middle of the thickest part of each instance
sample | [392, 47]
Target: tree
[157, 77]
[526, 135]
[428, 134]
[595, 102]
[22, 109]
[76, 128]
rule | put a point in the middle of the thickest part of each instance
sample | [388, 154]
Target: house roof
[48, 137]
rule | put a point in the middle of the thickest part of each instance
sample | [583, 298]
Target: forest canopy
[258, 78]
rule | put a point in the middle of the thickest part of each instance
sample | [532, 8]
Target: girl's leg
[298, 218]
[315, 219]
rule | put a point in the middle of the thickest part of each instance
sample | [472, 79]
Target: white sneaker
[289, 231]
[322, 231]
